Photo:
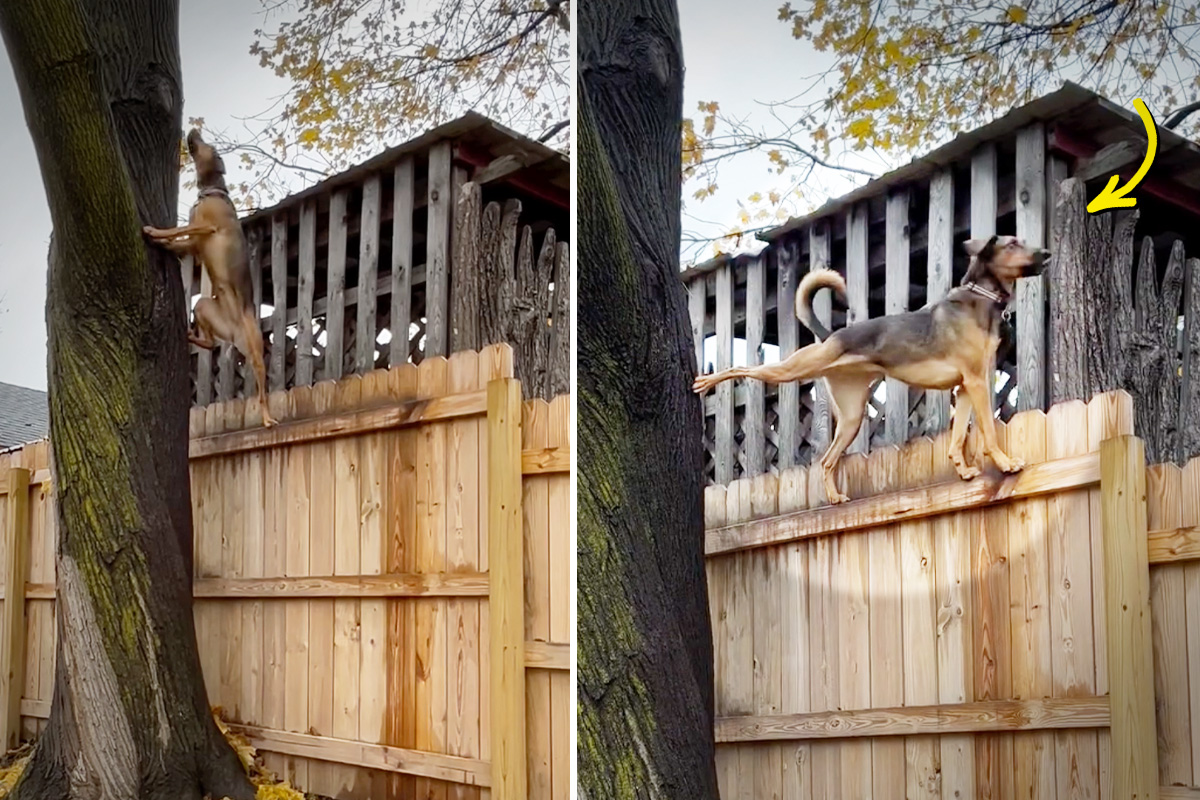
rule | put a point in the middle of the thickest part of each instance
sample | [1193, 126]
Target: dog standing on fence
[213, 236]
[950, 344]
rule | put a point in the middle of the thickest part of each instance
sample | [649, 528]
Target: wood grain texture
[16, 560]
[820, 257]
[506, 570]
[277, 372]
[896, 289]
[1168, 609]
[368, 275]
[335, 276]
[437, 246]
[403, 201]
[976, 717]
[1134, 755]
[914, 503]
[1030, 298]
[857, 293]
[754, 418]
[787, 259]
[723, 441]
[939, 277]
[305, 290]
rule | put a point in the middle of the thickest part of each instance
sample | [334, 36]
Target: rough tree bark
[1113, 324]
[100, 86]
[645, 701]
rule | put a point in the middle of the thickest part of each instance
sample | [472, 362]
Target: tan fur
[964, 358]
[213, 236]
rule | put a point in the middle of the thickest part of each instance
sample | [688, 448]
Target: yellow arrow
[1110, 196]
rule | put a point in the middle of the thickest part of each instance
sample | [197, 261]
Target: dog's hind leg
[850, 394]
[958, 437]
[250, 342]
[804, 364]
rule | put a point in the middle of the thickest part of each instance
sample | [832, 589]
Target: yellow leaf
[755, 198]
[309, 136]
[1017, 14]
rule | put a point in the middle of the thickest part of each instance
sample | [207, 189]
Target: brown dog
[949, 344]
[214, 237]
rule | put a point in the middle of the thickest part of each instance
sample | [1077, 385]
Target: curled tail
[809, 286]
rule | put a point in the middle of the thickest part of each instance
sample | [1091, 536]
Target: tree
[101, 89]
[904, 75]
[370, 74]
[645, 700]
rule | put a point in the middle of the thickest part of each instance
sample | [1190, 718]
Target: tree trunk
[130, 717]
[645, 675]
[1114, 325]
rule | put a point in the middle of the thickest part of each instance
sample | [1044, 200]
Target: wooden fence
[392, 263]
[1012, 636]
[900, 248]
[381, 582]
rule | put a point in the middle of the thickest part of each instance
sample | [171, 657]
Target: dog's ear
[981, 248]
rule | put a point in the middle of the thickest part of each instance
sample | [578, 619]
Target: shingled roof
[24, 415]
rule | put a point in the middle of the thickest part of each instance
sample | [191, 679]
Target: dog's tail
[812, 283]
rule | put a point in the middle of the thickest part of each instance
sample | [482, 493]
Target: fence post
[12, 657]
[1127, 618]
[506, 590]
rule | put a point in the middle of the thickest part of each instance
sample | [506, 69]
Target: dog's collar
[982, 291]
[212, 191]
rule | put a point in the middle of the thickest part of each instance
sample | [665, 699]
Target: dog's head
[209, 166]
[1005, 258]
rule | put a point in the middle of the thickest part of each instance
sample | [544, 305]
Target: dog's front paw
[968, 471]
[1009, 464]
[837, 498]
[702, 384]
[150, 230]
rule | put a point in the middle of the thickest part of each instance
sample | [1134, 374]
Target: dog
[213, 236]
[950, 344]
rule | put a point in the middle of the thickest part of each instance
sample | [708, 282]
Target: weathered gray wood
[279, 286]
[896, 240]
[254, 259]
[983, 192]
[187, 270]
[723, 454]
[857, 296]
[753, 422]
[227, 366]
[437, 248]
[939, 278]
[560, 324]
[466, 282]
[787, 254]
[306, 285]
[368, 273]
[529, 332]
[697, 297]
[335, 311]
[1030, 298]
[403, 198]
[821, 431]
[204, 359]
[1057, 171]
[499, 253]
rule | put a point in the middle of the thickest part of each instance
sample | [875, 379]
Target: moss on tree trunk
[100, 87]
[645, 643]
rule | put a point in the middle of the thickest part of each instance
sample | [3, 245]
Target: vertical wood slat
[437, 251]
[1057, 171]
[335, 295]
[1031, 292]
[723, 453]
[204, 381]
[1127, 618]
[304, 294]
[368, 270]
[819, 258]
[856, 297]
[787, 257]
[984, 200]
[506, 603]
[753, 425]
[279, 284]
[402, 261]
[254, 258]
[896, 243]
[12, 657]
[697, 299]
[940, 277]
[187, 270]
